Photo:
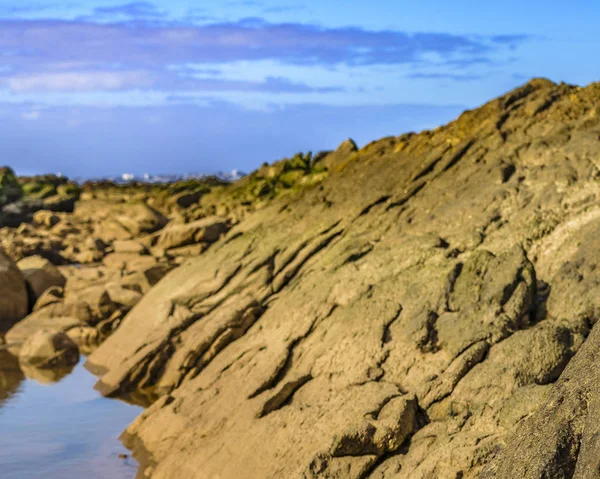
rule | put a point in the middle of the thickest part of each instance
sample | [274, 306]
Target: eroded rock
[14, 302]
[40, 275]
[402, 320]
[49, 349]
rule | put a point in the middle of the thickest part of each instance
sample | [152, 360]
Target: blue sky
[104, 87]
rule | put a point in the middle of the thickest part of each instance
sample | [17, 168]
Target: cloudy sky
[101, 87]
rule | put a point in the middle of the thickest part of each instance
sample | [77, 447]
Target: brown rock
[187, 251]
[128, 246]
[14, 302]
[93, 304]
[128, 261]
[427, 311]
[207, 230]
[143, 280]
[46, 218]
[111, 230]
[38, 321]
[123, 297]
[337, 158]
[53, 295]
[40, 275]
[49, 349]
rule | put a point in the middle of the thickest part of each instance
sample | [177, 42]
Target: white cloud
[153, 119]
[31, 115]
[79, 81]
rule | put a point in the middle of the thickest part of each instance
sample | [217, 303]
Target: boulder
[110, 230]
[91, 305]
[128, 261]
[86, 337]
[411, 317]
[144, 279]
[186, 251]
[123, 297]
[21, 246]
[53, 295]
[139, 218]
[45, 218]
[187, 199]
[40, 275]
[38, 321]
[14, 301]
[207, 230]
[88, 305]
[59, 203]
[120, 220]
[337, 158]
[49, 349]
[128, 246]
[18, 212]
[38, 190]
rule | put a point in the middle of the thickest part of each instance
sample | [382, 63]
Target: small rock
[40, 274]
[128, 246]
[53, 295]
[49, 349]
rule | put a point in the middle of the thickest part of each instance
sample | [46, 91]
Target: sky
[99, 87]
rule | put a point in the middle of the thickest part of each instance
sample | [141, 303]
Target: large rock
[207, 230]
[128, 246]
[46, 218]
[120, 220]
[559, 438]
[52, 295]
[42, 320]
[40, 275]
[60, 203]
[144, 279]
[411, 317]
[91, 305]
[14, 303]
[49, 349]
[129, 262]
[110, 230]
[339, 158]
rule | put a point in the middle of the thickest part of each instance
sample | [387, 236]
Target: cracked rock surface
[410, 317]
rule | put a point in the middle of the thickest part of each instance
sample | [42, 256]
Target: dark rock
[40, 275]
[14, 301]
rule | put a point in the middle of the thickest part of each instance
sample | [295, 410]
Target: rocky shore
[420, 307]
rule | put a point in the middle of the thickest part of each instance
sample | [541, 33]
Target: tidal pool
[62, 430]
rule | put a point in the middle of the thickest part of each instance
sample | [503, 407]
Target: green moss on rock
[38, 190]
[10, 189]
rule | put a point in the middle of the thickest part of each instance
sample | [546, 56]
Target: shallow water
[62, 430]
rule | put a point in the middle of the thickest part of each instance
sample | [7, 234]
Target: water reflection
[60, 429]
[45, 376]
[10, 376]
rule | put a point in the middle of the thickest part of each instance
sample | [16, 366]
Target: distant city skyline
[98, 88]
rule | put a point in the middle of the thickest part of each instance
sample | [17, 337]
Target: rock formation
[420, 307]
[40, 275]
[406, 318]
[49, 349]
